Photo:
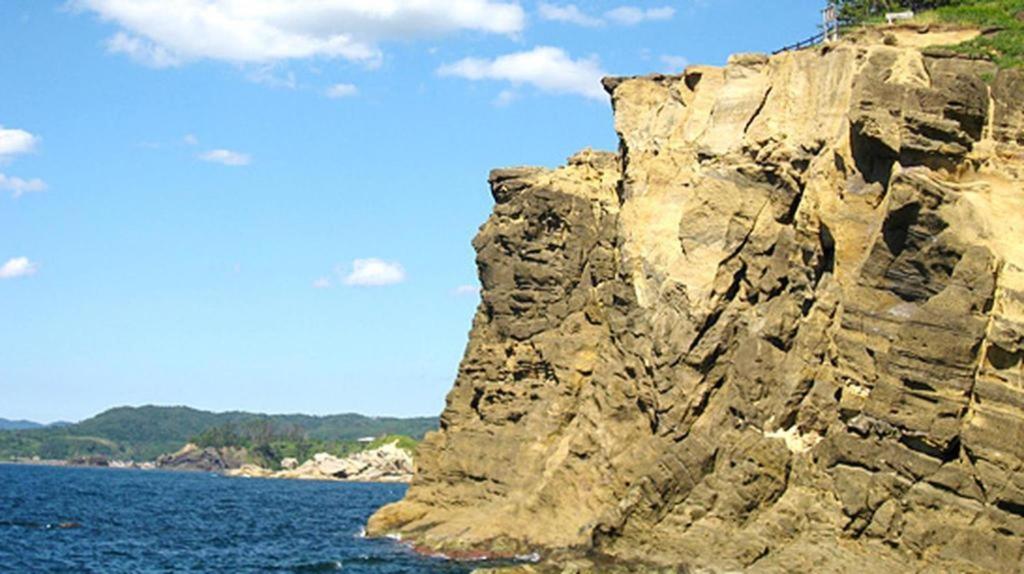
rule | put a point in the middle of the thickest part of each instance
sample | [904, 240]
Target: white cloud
[624, 15]
[17, 267]
[19, 187]
[341, 91]
[268, 75]
[548, 69]
[226, 157]
[321, 283]
[505, 98]
[374, 272]
[674, 63]
[190, 139]
[14, 142]
[465, 290]
[570, 13]
[631, 15]
[142, 51]
[166, 33]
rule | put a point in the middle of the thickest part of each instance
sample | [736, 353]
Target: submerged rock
[781, 330]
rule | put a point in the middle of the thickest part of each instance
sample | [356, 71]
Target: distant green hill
[143, 433]
[6, 424]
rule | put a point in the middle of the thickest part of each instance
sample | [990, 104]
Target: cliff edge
[781, 330]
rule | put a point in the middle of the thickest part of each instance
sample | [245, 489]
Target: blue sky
[246, 205]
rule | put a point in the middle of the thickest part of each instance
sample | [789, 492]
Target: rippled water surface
[98, 520]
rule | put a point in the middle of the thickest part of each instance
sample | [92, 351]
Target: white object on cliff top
[891, 17]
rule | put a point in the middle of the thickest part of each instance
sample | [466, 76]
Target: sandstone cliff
[781, 330]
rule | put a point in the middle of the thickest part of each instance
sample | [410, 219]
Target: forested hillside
[143, 433]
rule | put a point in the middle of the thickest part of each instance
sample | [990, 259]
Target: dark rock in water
[781, 331]
[98, 461]
[192, 457]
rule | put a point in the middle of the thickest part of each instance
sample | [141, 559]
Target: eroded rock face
[781, 330]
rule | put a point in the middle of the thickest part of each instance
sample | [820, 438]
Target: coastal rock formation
[209, 459]
[780, 331]
[387, 463]
[104, 462]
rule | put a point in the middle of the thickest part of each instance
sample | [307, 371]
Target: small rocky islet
[386, 463]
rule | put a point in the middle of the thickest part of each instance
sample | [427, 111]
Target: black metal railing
[812, 41]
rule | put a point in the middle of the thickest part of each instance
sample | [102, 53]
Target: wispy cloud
[373, 272]
[546, 68]
[19, 187]
[569, 13]
[190, 139]
[226, 157]
[270, 75]
[142, 51]
[622, 15]
[321, 283]
[631, 15]
[338, 91]
[466, 290]
[17, 267]
[674, 63]
[505, 98]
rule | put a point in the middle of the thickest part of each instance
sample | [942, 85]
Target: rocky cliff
[780, 330]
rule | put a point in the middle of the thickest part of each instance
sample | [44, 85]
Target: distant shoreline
[239, 477]
[30, 462]
[114, 464]
[239, 473]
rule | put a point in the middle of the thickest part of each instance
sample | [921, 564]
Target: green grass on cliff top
[1004, 19]
[1005, 47]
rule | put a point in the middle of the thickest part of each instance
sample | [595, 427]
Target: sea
[60, 519]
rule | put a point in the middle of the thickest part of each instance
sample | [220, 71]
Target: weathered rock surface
[780, 331]
[387, 463]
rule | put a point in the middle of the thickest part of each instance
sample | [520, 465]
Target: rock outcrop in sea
[208, 459]
[387, 463]
[781, 330]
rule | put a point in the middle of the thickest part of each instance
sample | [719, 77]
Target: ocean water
[56, 519]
